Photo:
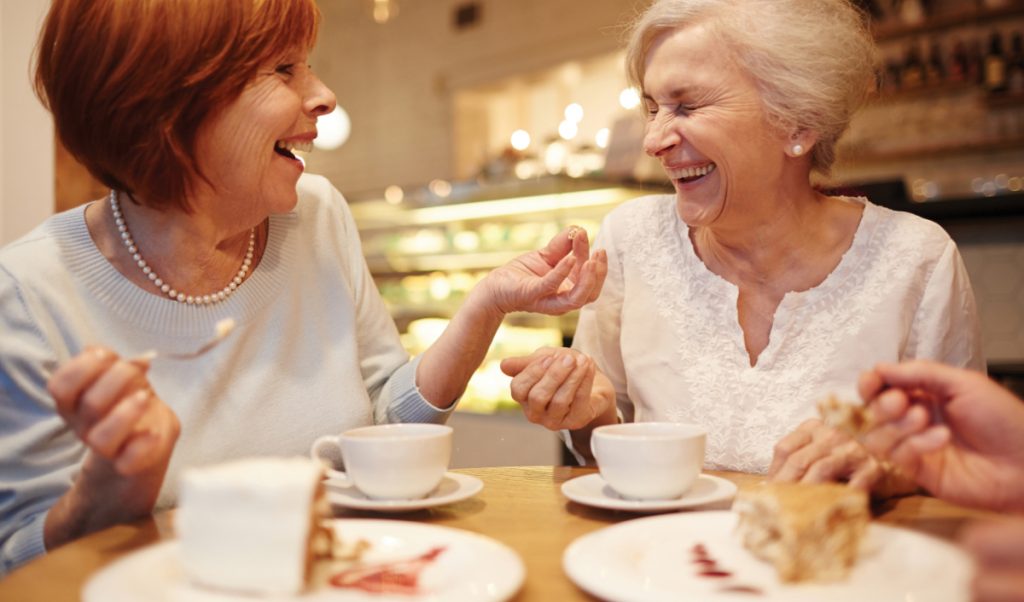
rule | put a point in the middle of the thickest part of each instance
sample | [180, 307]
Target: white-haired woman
[748, 295]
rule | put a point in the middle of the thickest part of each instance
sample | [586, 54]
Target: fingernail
[139, 397]
[99, 353]
[935, 436]
[547, 361]
[573, 232]
[568, 360]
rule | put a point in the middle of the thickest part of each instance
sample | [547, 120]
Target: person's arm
[53, 412]
[37, 452]
[553, 280]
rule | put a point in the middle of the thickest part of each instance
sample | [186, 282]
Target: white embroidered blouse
[665, 328]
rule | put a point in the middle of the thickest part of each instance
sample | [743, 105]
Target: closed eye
[286, 69]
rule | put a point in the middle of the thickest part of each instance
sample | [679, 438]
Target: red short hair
[129, 82]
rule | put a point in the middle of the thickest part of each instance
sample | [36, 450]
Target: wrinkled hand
[816, 453]
[555, 388]
[109, 404]
[559, 278]
[998, 550]
[955, 432]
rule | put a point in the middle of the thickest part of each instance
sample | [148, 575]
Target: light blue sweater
[314, 352]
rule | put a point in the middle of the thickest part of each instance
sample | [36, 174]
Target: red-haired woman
[189, 110]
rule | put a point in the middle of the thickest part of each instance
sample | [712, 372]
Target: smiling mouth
[285, 148]
[685, 175]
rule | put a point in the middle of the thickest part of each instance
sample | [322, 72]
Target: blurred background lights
[601, 138]
[466, 241]
[520, 140]
[394, 194]
[332, 129]
[568, 129]
[384, 10]
[440, 188]
[554, 157]
[574, 113]
[629, 98]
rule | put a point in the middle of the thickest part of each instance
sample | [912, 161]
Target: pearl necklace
[129, 243]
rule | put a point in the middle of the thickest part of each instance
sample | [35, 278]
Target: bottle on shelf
[912, 75]
[995, 64]
[1015, 65]
[975, 63]
[959, 69]
[935, 66]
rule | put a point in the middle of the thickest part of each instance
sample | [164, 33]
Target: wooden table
[521, 507]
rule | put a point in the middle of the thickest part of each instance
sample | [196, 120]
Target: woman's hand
[816, 453]
[556, 388]
[998, 551]
[554, 280]
[130, 434]
[955, 432]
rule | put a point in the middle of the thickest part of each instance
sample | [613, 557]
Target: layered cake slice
[253, 526]
[809, 532]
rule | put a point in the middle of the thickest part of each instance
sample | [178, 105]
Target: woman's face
[706, 125]
[245, 149]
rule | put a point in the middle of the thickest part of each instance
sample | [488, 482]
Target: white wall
[398, 81]
[26, 130]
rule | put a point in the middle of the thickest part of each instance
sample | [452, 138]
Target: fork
[221, 330]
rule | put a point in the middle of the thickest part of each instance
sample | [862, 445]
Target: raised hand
[559, 278]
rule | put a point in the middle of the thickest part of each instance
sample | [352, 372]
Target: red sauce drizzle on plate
[707, 567]
[399, 577]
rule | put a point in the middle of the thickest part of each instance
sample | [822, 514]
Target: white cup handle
[329, 441]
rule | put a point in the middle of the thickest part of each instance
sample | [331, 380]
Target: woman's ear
[800, 143]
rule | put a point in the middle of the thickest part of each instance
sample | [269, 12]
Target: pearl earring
[798, 150]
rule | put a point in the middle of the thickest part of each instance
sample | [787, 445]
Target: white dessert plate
[592, 490]
[652, 559]
[454, 487]
[470, 567]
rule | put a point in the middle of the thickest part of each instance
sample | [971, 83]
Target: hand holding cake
[971, 452]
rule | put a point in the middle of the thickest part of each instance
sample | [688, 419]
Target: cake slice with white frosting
[254, 525]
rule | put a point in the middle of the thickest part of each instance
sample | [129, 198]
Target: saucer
[454, 487]
[591, 490]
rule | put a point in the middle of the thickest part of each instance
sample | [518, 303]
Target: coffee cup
[389, 461]
[649, 460]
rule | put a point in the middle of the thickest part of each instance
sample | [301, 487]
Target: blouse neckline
[793, 303]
